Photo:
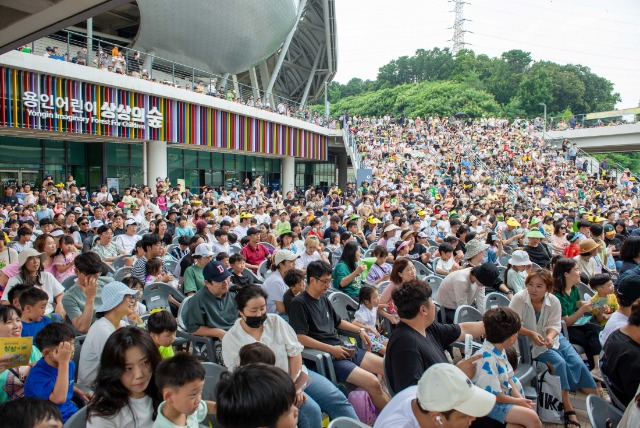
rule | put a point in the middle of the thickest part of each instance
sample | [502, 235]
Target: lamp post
[544, 126]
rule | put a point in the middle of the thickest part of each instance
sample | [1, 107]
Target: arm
[280, 307]
[347, 326]
[475, 329]
[59, 309]
[209, 332]
[63, 352]
[353, 275]
[584, 308]
[83, 322]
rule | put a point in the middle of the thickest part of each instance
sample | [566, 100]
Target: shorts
[377, 343]
[500, 411]
[343, 368]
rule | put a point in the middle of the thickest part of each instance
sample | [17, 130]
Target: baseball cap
[94, 195]
[77, 210]
[283, 255]
[423, 235]
[609, 229]
[628, 289]
[96, 223]
[112, 295]
[252, 231]
[487, 274]
[29, 252]
[246, 215]
[130, 222]
[215, 271]
[203, 250]
[445, 387]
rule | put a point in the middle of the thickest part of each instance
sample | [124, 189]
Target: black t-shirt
[240, 281]
[314, 318]
[621, 364]
[417, 252]
[287, 298]
[538, 255]
[409, 354]
[9, 200]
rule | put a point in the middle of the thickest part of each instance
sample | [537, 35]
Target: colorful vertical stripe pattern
[183, 123]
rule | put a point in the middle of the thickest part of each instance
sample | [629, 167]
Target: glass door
[31, 178]
[15, 178]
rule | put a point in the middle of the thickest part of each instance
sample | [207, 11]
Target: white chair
[345, 422]
[342, 304]
[122, 273]
[584, 289]
[466, 313]
[493, 300]
[434, 282]
[600, 412]
[421, 270]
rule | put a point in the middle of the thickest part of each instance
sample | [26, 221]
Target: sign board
[363, 174]
[613, 113]
[113, 183]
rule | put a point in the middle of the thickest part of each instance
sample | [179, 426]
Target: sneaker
[597, 374]
[604, 395]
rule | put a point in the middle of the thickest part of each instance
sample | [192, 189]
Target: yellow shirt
[166, 351]
[612, 303]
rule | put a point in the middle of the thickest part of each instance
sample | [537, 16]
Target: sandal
[568, 422]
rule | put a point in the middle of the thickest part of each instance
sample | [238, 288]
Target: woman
[118, 302]
[629, 254]
[165, 236]
[538, 253]
[286, 241]
[586, 261]
[621, 230]
[540, 313]
[126, 394]
[476, 253]
[255, 325]
[194, 274]
[558, 240]
[12, 380]
[621, 357]
[495, 249]
[152, 226]
[566, 277]
[202, 229]
[403, 271]
[7, 255]
[31, 273]
[266, 236]
[347, 273]
[105, 246]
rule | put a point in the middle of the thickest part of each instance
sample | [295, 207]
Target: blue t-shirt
[41, 380]
[30, 329]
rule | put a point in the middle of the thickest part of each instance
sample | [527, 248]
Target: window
[118, 154]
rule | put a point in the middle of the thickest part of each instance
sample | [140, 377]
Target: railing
[562, 123]
[351, 144]
[139, 64]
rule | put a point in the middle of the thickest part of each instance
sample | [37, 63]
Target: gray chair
[493, 300]
[421, 270]
[382, 285]
[68, 282]
[202, 347]
[601, 413]
[386, 378]
[254, 278]
[263, 272]
[504, 260]
[170, 265]
[78, 342]
[269, 246]
[78, 420]
[614, 399]
[585, 289]
[156, 295]
[344, 305]
[212, 373]
[142, 232]
[172, 247]
[305, 232]
[432, 243]
[466, 313]
[119, 261]
[345, 422]
[526, 371]
[122, 273]
[367, 254]
[434, 282]
[175, 240]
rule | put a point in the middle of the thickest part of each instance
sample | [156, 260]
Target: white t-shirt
[445, 265]
[50, 285]
[303, 261]
[275, 287]
[91, 351]
[367, 316]
[128, 242]
[398, 412]
[138, 413]
[616, 321]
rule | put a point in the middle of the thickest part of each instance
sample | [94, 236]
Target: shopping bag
[550, 407]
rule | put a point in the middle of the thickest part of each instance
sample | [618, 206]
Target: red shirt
[255, 256]
[571, 251]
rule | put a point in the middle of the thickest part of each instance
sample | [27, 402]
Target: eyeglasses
[324, 281]
[131, 297]
[84, 223]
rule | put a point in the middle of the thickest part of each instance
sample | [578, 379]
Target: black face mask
[255, 322]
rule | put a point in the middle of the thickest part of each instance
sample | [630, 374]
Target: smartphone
[351, 351]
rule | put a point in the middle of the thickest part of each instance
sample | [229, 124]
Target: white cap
[130, 222]
[445, 387]
[283, 255]
[96, 223]
[203, 250]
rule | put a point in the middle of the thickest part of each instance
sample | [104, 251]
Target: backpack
[364, 407]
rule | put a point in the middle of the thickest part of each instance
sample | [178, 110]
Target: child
[63, 259]
[162, 327]
[256, 395]
[30, 413]
[180, 381]
[603, 286]
[154, 270]
[14, 294]
[295, 280]
[446, 264]
[135, 284]
[517, 270]
[256, 352]
[237, 262]
[33, 302]
[381, 270]
[573, 249]
[182, 249]
[367, 315]
[224, 259]
[495, 374]
[52, 377]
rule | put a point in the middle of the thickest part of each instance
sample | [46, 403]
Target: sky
[603, 35]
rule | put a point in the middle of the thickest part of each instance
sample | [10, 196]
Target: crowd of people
[259, 269]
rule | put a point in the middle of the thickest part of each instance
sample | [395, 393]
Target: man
[334, 226]
[443, 398]
[136, 215]
[628, 291]
[510, 236]
[129, 238]
[29, 197]
[80, 235]
[82, 58]
[212, 310]
[81, 299]
[243, 227]
[466, 287]
[254, 252]
[9, 198]
[316, 324]
[117, 225]
[152, 247]
[104, 196]
[417, 341]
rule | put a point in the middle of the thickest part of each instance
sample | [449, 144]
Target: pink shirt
[63, 260]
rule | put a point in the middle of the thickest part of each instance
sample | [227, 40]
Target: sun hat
[444, 387]
[246, 215]
[519, 258]
[473, 248]
[487, 274]
[402, 245]
[405, 234]
[283, 255]
[77, 210]
[588, 245]
[112, 295]
[423, 235]
[390, 228]
[203, 250]
[29, 252]
[56, 233]
[422, 212]
[96, 223]
[373, 220]
[534, 220]
[215, 271]
[513, 222]
[535, 234]
[286, 232]
[473, 218]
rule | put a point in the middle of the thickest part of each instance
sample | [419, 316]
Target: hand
[360, 269]
[64, 352]
[586, 307]
[339, 352]
[300, 399]
[91, 287]
[468, 366]
[548, 342]
[4, 362]
[128, 261]
[538, 339]
[375, 332]
[366, 339]
[387, 275]
[524, 402]
[167, 278]
[85, 397]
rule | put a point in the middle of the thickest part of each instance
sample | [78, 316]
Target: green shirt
[193, 279]
[207, 310]
[341, 271]
[569, 302]
[166, 351]
[10, 385]
[74, 299]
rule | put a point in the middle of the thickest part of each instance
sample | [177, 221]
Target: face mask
[255, 322]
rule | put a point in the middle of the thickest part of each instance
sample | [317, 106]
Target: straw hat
[588, 245]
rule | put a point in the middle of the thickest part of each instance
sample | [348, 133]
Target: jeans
[323, 396]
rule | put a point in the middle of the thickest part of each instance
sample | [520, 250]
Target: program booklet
[18, 348]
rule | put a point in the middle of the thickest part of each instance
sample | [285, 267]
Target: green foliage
[514, 84]
[629, 160]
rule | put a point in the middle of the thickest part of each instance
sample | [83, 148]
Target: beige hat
[391, 228]
[283, 255]
[473, 248]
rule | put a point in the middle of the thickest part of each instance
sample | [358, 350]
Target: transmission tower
[458, 30]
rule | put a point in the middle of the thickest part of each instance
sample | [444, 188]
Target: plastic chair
[172, 247]
[212, 373]
[119, 261]
[466, 313]
[345, 422]
[421, 270]
[305, 232]
[526, 371]
[382, 285]
[122, 273]
[202, 347]
[233, 250]
[614, 399]
[585, 289]
[68, 282]
[386, 377]
[175, 240]
[367, 254]
[434, 282]
[504, 260]
[432, 243]
[142, 232]
[600, 412]
[344, 305]
[78, 420]
[263, 272]
[501, 270]
[156, 295]
[565, 331]
[266, 244]
[493, 300]
[170, 265]
[78, 342]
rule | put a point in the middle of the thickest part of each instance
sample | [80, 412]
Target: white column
[156, 162]
[288, 174]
